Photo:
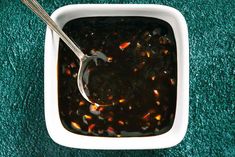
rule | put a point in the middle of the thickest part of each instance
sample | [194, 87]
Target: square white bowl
[66, 138]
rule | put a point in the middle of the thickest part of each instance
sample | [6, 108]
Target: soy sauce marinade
[138, 85]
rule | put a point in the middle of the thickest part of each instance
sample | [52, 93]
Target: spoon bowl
[83, 77]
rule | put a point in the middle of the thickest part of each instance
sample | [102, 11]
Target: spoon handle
[40, 12]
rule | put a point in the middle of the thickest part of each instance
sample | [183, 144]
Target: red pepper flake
[87, 117]
[121, 100]
[110, 119]
[156, 93]
[109, 59]
[124, 45]
[146, 116]
[91, 127]
[68, 72]
[148, 54]
[81, 103]
[75, 126]
[120, 122]
[110, 130]
[158, 117]
[110, 97]
[101, 109]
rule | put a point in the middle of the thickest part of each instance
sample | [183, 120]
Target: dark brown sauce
[138, 85]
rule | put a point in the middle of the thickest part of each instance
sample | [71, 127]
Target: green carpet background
[211, 130]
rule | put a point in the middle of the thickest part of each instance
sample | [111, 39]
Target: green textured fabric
[211, 130]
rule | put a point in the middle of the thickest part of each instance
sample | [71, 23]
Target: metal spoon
[84, 59]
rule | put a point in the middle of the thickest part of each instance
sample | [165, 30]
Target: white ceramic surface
[54, 126]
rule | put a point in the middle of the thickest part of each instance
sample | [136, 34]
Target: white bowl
[66, 138]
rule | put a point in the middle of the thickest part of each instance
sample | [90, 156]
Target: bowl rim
[66, 138]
